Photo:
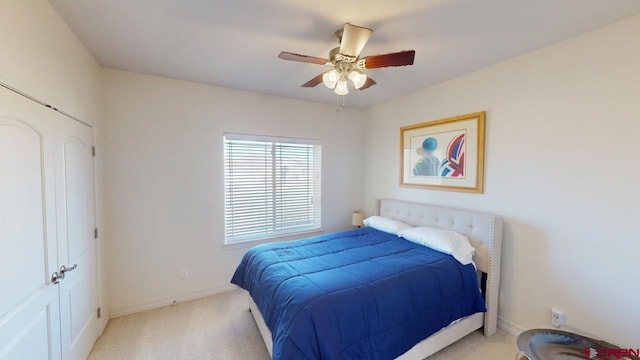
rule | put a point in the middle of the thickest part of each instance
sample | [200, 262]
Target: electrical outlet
[558, 317]
[185, 274]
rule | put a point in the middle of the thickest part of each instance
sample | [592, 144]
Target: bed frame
[485, 234]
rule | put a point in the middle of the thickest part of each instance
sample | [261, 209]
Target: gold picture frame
[446, 154]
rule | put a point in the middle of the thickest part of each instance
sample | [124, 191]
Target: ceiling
[235, 43]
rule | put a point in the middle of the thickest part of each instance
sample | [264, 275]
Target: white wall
[164, 178]
[562, 146]
[40, 56]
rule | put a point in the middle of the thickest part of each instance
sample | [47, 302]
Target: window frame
[316, 190]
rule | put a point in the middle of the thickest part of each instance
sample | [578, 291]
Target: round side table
[551, 344]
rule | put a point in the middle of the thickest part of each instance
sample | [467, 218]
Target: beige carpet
[221, 327]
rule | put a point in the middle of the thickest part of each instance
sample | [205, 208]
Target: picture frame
[446, 154]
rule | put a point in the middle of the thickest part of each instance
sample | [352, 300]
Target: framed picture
[446, 154]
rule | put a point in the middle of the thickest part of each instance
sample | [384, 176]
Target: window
[272, 187]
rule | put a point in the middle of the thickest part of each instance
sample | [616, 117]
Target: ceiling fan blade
[401, 58]
[353, 39]
[367, 84]
[302, 58]
[313, 82]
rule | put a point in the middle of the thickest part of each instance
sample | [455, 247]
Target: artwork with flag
[445, 154]
[453, 164]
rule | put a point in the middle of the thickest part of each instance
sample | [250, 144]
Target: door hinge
[99, 312]
[93, 151]
[95, 233]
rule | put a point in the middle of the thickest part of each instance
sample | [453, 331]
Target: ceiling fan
[346, 62]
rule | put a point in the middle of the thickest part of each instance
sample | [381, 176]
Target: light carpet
[221, 327]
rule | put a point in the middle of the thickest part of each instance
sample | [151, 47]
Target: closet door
[29, 305]
[47, 218]
[76, 244]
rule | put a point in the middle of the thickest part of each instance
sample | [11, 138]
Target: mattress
[355, 294]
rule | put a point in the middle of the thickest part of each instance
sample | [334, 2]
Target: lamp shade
[358, 78]
[341, 87]
[356, 218]
[330, 78]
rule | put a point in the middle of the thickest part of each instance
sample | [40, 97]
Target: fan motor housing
[333, 53]
[335, 57]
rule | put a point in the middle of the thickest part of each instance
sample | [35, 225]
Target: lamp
[358, 78]
[356, 218]
[337, 79]
[330, 78]
[341, 87]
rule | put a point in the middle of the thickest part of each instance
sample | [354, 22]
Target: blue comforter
[355, 294]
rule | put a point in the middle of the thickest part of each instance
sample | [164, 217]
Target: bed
[318, 314]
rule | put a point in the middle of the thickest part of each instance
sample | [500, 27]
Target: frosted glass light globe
[341, 87]
[358, 78]
[330, 79]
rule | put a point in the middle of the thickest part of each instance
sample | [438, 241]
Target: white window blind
[272, 187]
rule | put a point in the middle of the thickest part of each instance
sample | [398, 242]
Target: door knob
[57, 278]
[64, 269]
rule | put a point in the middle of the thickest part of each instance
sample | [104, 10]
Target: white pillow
[448, 242]
[385, 224]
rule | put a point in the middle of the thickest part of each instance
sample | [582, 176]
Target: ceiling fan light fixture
[330, 78]
[341, 87]
[358, 78]
[346, 64]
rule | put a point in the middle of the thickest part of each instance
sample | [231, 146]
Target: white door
[46, 221]
[76, 243]
[29, 307]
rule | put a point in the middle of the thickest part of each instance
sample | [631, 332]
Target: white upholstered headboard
[483, 230]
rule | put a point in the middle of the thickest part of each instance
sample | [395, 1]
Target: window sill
[251, 243]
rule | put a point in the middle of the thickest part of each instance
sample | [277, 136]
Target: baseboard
[168, 300]
[509, 327]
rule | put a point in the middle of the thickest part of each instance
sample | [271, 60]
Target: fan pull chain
[338, 103]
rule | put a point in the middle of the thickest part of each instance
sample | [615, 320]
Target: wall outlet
[558, 317]
[184, 274]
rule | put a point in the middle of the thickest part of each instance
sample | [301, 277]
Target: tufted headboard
[483, 230]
